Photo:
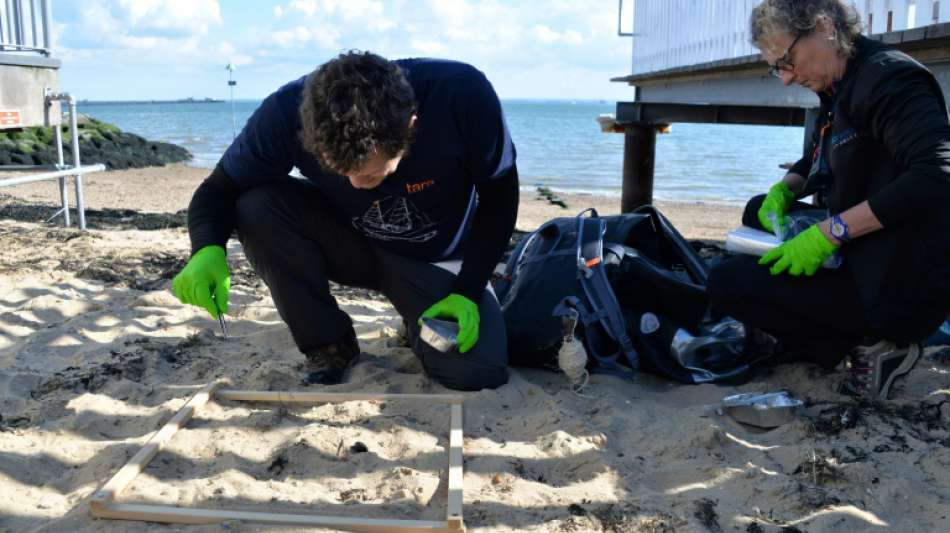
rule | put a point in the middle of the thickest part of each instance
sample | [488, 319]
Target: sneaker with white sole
[873, 368]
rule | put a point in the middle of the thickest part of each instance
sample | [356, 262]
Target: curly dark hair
[355, 106]
[800, 17]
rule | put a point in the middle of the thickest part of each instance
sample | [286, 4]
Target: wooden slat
[456, 473]
[317, 397]
[178, 515]
[138, 462]
[103, 505]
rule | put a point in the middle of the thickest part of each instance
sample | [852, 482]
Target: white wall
[677, 33]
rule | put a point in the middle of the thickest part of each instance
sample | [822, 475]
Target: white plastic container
[746, 240]
[751, 241]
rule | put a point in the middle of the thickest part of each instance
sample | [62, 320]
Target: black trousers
[816, 318]
[296, 246]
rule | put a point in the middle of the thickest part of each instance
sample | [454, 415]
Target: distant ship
[205, 100]
[188, 100]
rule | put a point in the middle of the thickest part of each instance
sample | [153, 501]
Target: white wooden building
[678, 33]
[692, 61]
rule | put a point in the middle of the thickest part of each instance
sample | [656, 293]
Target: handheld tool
[224, 325]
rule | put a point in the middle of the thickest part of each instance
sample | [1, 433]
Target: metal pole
[29, 167]
[233, 119]
[69, 171]
[47, 31]
[74, 126]
[58, 138]
[61, 161]
[63, 190]
[639, 152]
[231, 84]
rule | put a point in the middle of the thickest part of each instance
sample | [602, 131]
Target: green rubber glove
[776, 201]
[464, 311]
[803, 253]
[205, 281]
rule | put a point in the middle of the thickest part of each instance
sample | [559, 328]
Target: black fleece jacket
[889, 144]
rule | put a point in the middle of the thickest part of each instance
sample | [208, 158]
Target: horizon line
[204, 100]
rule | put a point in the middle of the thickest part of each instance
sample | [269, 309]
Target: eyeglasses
[783, 63]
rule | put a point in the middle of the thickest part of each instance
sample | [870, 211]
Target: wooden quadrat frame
[103, 504]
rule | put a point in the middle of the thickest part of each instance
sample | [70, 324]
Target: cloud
[429, 48]
[369, 14]
[503, 38]
[141, 24]
[228, 51]
[175, 16]
[301, 36]
[155, 39]
[548, 36]
[494, 35]
[307, 7]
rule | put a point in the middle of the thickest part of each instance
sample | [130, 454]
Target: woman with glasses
[879, 165]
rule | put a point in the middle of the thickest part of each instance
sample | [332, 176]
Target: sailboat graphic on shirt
[395, 219]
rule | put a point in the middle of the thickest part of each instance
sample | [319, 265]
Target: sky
[168, 49]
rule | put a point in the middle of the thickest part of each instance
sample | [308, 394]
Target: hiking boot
[873, 368]
[326, 364]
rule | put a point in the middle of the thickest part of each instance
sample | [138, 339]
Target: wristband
[839, 229]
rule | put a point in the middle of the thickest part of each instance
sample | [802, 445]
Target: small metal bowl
[441, 335]
[769, 410]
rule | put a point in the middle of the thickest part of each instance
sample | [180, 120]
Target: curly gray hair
[800, 17]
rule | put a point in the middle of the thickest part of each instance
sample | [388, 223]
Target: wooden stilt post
[639, 152]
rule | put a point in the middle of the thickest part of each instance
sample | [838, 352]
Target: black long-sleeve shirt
[454, 192]
[211, 220]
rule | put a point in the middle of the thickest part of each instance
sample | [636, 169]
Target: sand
[96, 354]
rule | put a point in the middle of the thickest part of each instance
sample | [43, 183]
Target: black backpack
[638, 288]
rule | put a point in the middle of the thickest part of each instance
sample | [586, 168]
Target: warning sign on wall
[9, 118]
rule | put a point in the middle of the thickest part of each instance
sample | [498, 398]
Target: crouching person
[407, 167]
[880, 160]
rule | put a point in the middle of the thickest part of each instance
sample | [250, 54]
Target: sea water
[559, 145]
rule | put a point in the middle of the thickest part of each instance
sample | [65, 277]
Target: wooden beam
[669, 113]
[179, 515]
[639, 154]
[456, 474]
[330, 397]
[103, 505]
[138, 462]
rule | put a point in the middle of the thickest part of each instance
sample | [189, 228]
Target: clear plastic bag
[715, 353]
[795, 223]
[800, 221]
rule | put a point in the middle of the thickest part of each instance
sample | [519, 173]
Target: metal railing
[60, 171]
[26, 26]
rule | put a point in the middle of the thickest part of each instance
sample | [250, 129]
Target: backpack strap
[694, 264]
[593, 337]
[503, 285]
[603, 305]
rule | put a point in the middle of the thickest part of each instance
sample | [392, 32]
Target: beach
[96, 354]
